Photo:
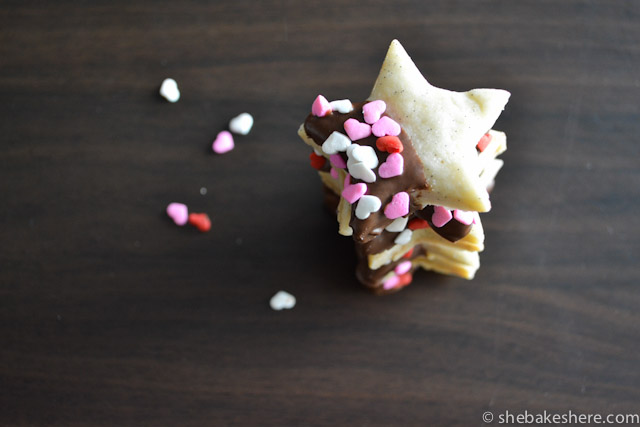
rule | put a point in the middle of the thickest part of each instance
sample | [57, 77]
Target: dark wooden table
[111, 315]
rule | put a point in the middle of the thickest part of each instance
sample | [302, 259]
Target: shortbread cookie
[407, 172]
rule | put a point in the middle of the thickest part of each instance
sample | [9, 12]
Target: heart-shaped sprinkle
[335, 143]
[390, 144]
[320, 107]
[341, 106]
[463, 217]
[440, 216]
[403, 267]
[397, 225]
[417, 224]
[408, 254]
[373, 110]
[391, 283]
[394, 166]
[405, 279]
[334, 173]
[397, 281]
[367, 205]
[169, 90]
[282, 300]
[201, 221]
[404, 237]
[399, 206]
[359, 170]
[223, 142]
[385, 126]
[317, 162]
[357, 130]
[178, 212]
[353, 193]
[241, 124]
[484, 141]
[337, 161]
[362, 153]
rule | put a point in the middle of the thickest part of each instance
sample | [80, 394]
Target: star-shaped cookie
[444, 128]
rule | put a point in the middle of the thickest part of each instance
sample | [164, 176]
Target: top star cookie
[444, 127]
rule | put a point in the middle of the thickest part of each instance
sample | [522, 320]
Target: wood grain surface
[110, 315]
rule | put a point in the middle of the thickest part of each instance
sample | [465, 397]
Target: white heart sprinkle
[397, 225]
[404, 237]
[358, 170]
[335, 143]
[318, 152]
[282, 300]
[366, 205]
[364, 154]
[169, 90]
[341, 106]
[241, 124]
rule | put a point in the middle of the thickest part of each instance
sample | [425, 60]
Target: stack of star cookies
[408, 171]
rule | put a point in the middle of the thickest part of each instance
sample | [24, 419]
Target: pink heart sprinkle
[178, 212]
[347, 180]
[399, 206]
[403, 267]
[440, 216]
[464, 217]
[223, 142]
[320, 107]
[334, 173]
[356, 130]
[391, 283]
[352, 193]
[394, 166]
[373, 110]
[385, 126]
[337, 161]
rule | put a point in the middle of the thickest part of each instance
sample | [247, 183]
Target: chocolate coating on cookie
[411, 180]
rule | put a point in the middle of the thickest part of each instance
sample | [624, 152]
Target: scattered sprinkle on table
[282, 300]
[241, 124]
[169, 90]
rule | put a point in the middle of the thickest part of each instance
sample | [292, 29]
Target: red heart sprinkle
[484, 141]
[417, 224]
[390, 144]
[408, 254]
[201, 221]
[317, 162]
[404, 280]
